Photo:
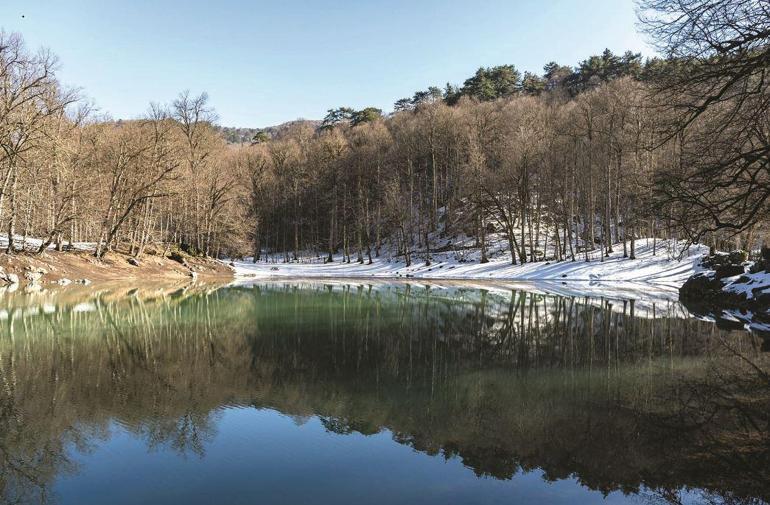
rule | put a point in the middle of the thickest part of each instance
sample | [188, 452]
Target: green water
[385, 393]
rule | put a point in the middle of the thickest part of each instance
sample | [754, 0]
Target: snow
[748, 283]
[746, 318]
[661, 270]
[32, 244]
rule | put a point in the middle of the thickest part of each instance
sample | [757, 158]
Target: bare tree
[716, 89]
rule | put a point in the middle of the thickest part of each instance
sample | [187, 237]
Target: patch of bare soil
[83, 267]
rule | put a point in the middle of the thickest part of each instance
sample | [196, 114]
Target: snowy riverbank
[655, 264]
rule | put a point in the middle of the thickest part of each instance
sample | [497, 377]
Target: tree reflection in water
[621, 395]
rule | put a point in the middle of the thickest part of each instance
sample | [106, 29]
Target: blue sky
[264, 63]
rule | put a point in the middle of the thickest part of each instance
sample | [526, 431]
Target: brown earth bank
[81, 267]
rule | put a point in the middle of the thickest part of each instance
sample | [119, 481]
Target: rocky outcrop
[724, 271]
[179, 258]
[701, 287]
[732, 290]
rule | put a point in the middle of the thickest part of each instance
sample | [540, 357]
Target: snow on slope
[662, 269]
[32, 244]
[749, 284]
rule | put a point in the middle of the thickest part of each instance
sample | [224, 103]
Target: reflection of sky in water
[262, 456]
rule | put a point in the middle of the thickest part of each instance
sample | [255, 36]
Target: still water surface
[388, 393]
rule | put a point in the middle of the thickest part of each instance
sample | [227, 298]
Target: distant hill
[237, 135]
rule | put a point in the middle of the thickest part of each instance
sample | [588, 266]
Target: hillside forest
[563, 163]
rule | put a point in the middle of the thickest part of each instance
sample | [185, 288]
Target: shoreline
[644, 296]
[522, 280]
[647, 281]
[653, 266]
[33, 272]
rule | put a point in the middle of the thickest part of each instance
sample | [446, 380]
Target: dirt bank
[81, 266]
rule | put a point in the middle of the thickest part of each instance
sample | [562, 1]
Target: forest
[568, 162]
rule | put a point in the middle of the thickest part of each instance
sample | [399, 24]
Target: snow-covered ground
[32, 244]
[661, 270]
[750, 285]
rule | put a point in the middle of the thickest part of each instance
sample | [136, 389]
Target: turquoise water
[385, 393]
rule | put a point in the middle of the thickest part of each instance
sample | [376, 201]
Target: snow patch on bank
[749, 284]
[663, 268]
[23, 243]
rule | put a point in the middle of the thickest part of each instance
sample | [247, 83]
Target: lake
[377, 393]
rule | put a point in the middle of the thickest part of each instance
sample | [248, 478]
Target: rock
[728, 324]
[193, 275]
[34, 274]
[174, 255]
[747, 298]
[737, 257]
[133, 261]
[700, 286]
[85, 282]
[766, 254]
[723, 271]
[762, 299]
[714, 260]
[274, 268]
[35, 269]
